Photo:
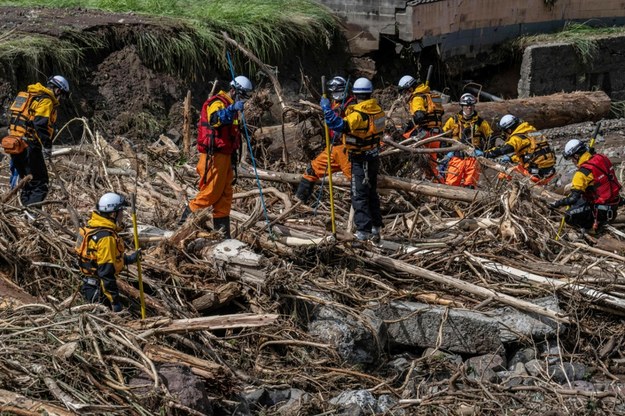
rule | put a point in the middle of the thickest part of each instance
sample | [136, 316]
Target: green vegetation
[580, 35]
[191, 36]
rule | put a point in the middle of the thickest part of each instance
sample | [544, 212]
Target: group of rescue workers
[356, 123]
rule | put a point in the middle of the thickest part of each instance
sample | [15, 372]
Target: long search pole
[133, 209]
[329, 154]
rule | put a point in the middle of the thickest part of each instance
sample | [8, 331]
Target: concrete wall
[550, 68]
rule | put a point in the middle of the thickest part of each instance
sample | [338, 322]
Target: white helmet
[406, 82]
[508, 122]
[362, 86]
[242, 86]
[467, 99]
[573, 147]
[59, 82]
[338, 88]
[111, 202]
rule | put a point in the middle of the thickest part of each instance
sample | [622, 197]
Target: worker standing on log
[101, 252]
[468, 128]
[31, 131]
[362, 129]
[426, 117]
[594, 197]
[219, 139]
[318, 168]
[529, 148]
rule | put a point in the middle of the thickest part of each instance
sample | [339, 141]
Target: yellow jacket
[36, 124]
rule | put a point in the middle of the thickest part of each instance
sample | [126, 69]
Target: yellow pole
[329, 153]
[133, 208]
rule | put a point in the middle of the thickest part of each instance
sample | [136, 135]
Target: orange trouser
[215, 184]
[338, 159]
[521, 169]
[462, 171]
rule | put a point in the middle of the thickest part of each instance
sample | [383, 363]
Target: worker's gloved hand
[47, 152]
[117, 307]
[478, 153]
[238, 105]
[449, 155]
[505, 159]
[132, 258]
[325, 104]
[555, 205]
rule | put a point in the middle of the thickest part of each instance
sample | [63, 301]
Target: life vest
[468, 130]
[535, 152]
[339, 108]
[224, 139]
[87, 253]
[21, 116]
[433, 110]
[361, 140]
[606, 187]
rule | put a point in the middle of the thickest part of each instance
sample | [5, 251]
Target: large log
[547, 111]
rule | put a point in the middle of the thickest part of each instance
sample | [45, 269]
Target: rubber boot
[222, 225]
[185, 214]
[304, 190]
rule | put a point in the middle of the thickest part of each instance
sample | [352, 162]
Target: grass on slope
[266, 27]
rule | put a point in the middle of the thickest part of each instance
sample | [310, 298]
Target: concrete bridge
[468, 31]
[464, 27]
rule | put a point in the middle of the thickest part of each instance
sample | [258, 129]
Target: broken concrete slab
[412, 324]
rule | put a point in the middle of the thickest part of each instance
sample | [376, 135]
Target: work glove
[478, 153]
[132, 258]
[238, 105]
[555, 205]
[449, 155]
[117, 307]
[325, 104]
[47, 152]
[505, 159]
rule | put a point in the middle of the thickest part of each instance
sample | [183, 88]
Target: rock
[515, 325]
[484, 367]
[357, 341]
[521, 356]
[417, 325]
[361, 401]
[386, 404]
[188, 389]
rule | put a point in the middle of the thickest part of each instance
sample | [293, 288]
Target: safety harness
[87, 257]
[361, 140]
[536, 152]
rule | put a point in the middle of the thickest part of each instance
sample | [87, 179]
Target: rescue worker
[426, 117]
[362, 129]
[32, 120]
[529, 148]
[594, 197]
[468, 128]
[318, 167]
[219, 139]
[101, 252]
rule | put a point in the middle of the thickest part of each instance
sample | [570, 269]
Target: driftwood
[209, 323]
[397, 265]
[546, 111]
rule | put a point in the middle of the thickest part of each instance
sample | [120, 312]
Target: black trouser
[364, 192]
[91, 291]
[582, 214]
[32, 162]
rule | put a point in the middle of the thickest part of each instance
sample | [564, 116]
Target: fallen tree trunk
[399, 266]
[546, 111]
[455, 193]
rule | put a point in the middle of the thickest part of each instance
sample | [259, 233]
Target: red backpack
[223, 139]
